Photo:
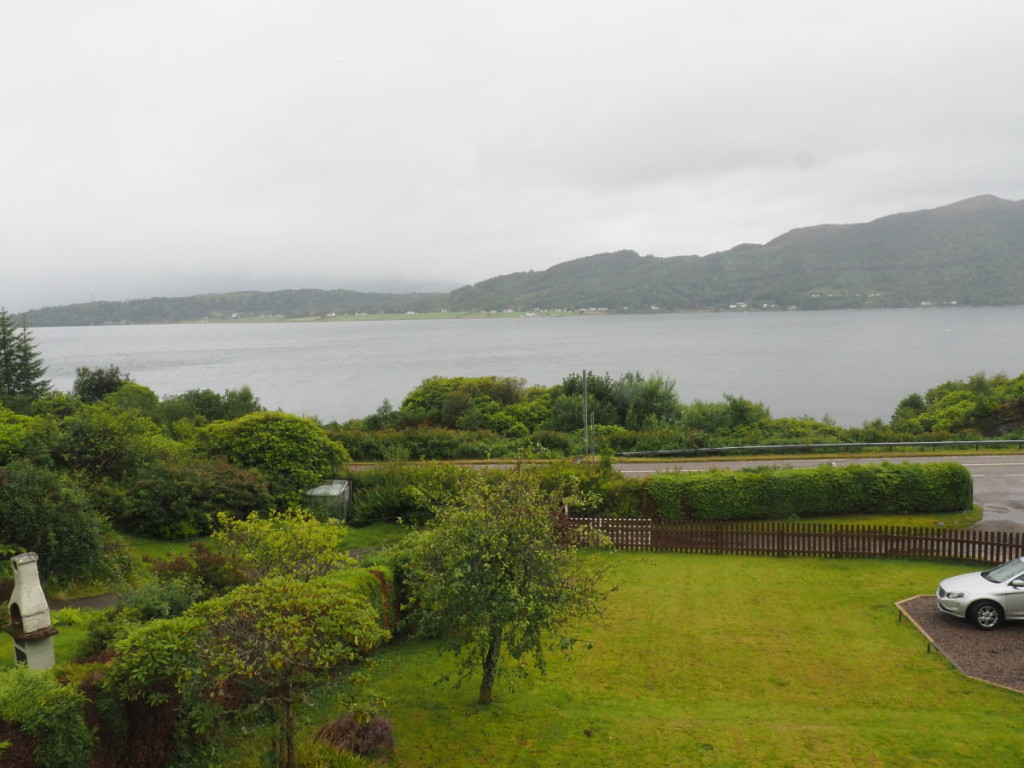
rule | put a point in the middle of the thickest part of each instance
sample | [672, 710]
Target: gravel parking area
[996, 656]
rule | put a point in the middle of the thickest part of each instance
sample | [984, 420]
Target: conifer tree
[21, 367]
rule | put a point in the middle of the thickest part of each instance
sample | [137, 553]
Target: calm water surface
[852, 366]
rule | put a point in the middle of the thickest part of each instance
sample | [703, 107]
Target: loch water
[851, 366]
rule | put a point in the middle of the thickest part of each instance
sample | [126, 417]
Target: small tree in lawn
[279, 639]
[252, 655]
[497, 579]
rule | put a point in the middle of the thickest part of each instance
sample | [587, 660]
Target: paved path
[998, 480]
[90, 603]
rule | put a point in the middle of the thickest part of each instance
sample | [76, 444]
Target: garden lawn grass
[721, 661]
[374, 535]
[947, 520]
[157, 549]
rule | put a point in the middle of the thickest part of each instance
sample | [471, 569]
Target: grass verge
[950, 520]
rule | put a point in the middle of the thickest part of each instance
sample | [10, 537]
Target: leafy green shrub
[597, 489]
[374, 584]
[557, 443]
[294, 454]
[215, 572]
[158, 600]
[25, 436]
[427, 442]
[52, 713]
[44, 512]
[176, 500]
[290, 543]
[399, 491]
[106, 443]
[201, 406]
[93, 384]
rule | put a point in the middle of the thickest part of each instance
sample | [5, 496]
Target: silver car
[985, 598]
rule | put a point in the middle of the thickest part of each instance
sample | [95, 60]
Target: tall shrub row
[786, 493]
[402, 491]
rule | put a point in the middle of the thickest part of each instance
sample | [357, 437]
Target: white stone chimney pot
[27, 599]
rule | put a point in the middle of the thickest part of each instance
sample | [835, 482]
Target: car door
[1013, 598]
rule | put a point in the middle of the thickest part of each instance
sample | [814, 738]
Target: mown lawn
[722, 661]
[713, 660]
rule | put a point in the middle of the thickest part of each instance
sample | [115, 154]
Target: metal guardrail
[818, 447]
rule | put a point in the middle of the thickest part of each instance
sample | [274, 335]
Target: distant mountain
[971, 252]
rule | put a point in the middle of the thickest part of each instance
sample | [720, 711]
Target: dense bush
[293, 453]
[48, 713]
[201, 406]
[93, 384]
[424, 442]
[104, 442]
[175, 499]
[286, 543]
[401, 491]
[158, 600]
[25, 437]
[214, 572]
[44, 512]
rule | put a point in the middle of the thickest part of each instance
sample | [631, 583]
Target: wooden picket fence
[783, 539]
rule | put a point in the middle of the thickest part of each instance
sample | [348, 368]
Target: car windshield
[1006, 571]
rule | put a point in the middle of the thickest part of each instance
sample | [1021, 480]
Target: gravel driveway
[996, 656]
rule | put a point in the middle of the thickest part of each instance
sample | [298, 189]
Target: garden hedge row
[393, 491]
[780, 494]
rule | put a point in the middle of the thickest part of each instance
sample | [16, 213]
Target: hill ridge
[967, 252]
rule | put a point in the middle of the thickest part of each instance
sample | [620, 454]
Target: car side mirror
[1017, 583]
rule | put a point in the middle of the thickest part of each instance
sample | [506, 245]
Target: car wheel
[985, 615]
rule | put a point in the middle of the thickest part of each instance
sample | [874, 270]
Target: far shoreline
[500, 315]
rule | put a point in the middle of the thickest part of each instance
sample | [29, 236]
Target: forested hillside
[971, 252]
[276, 305]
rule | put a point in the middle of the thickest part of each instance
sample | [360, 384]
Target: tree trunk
[490, 668]
[288, 728]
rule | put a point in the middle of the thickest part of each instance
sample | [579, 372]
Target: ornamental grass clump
[367, 738]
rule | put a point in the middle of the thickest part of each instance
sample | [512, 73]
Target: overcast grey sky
[175, 147]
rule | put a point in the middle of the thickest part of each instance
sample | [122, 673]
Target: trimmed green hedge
[780, 494]
[404, 491]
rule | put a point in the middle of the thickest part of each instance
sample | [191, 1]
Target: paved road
[998, 480]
